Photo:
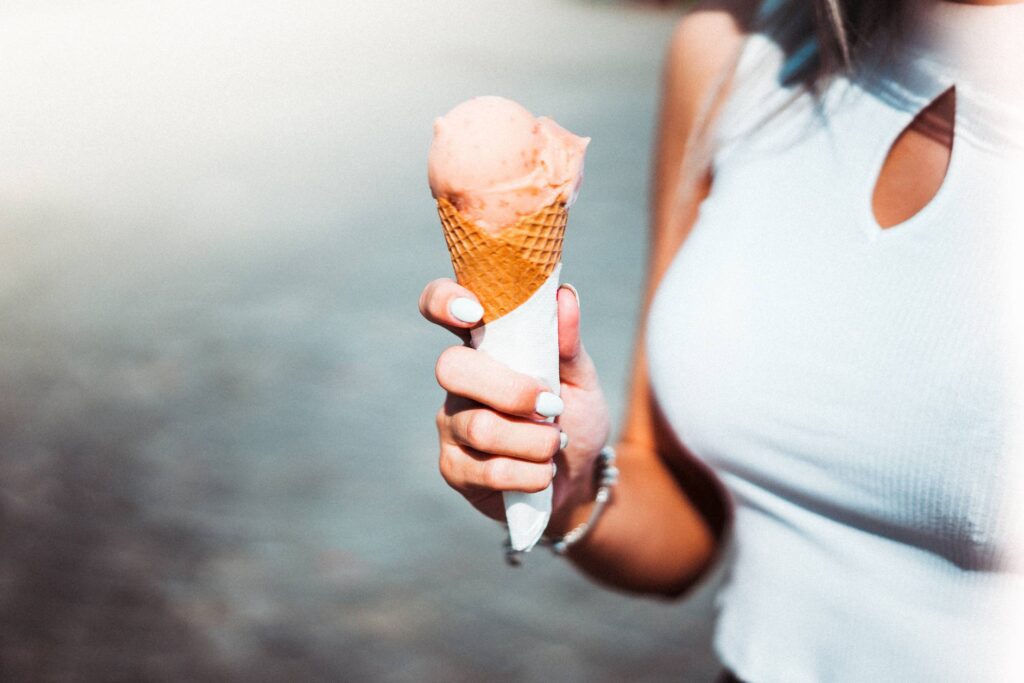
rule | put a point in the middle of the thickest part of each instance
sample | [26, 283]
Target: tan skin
[664, 528]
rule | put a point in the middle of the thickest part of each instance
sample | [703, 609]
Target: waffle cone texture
[504, 269]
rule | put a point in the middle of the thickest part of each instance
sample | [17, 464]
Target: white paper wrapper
[526, 340]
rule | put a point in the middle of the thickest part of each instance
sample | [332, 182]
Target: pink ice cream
[494, 161]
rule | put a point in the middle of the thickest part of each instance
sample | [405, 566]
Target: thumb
[575, 366]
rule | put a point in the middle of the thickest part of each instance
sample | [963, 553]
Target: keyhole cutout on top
[916, 164]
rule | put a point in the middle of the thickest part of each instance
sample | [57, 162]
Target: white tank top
[859, 390]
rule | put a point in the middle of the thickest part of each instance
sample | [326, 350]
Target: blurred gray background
[217, 452]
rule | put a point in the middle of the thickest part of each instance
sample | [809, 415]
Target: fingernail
[466, 310]
[549, 405]
[574, 291]
[554, 469]
[563, 441]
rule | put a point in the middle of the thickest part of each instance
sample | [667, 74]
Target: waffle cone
[504, 269]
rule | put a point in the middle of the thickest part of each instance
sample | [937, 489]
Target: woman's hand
[492, 437]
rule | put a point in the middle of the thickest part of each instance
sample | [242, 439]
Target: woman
[826, 375]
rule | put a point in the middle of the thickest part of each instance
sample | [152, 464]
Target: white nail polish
[466, 310]
[563, 441]
[554, 469]
[549, 405]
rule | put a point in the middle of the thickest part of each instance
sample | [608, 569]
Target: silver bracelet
[607, 477]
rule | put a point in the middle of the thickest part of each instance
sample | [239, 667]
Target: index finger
[447, 303]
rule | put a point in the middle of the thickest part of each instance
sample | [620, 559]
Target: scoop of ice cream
[494, 161]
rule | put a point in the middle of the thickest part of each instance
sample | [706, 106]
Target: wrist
[582, 512]
[574, 499]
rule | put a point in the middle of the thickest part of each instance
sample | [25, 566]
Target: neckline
[977, 48]
[980, 44]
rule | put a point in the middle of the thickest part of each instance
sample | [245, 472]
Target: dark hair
[823, 38]
[819, 38]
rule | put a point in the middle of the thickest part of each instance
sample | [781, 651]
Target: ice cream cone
[504, 181]
[504, 269]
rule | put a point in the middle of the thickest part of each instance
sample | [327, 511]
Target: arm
[661, 533]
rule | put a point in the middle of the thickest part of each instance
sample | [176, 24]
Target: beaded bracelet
[607, 475]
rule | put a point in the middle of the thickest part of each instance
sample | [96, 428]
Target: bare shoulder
[705, 43]
[710, 22]
[701, 55]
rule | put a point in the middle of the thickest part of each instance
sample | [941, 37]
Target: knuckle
[446, 467]
[445, 366]
[479, 427]
[519, 390]
[444, 464]
[554, 442]
[540, 477]
[427, 297]
[441, 420]
[424, 298]
[495, 474]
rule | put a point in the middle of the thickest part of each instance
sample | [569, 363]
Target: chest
[804, 351]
